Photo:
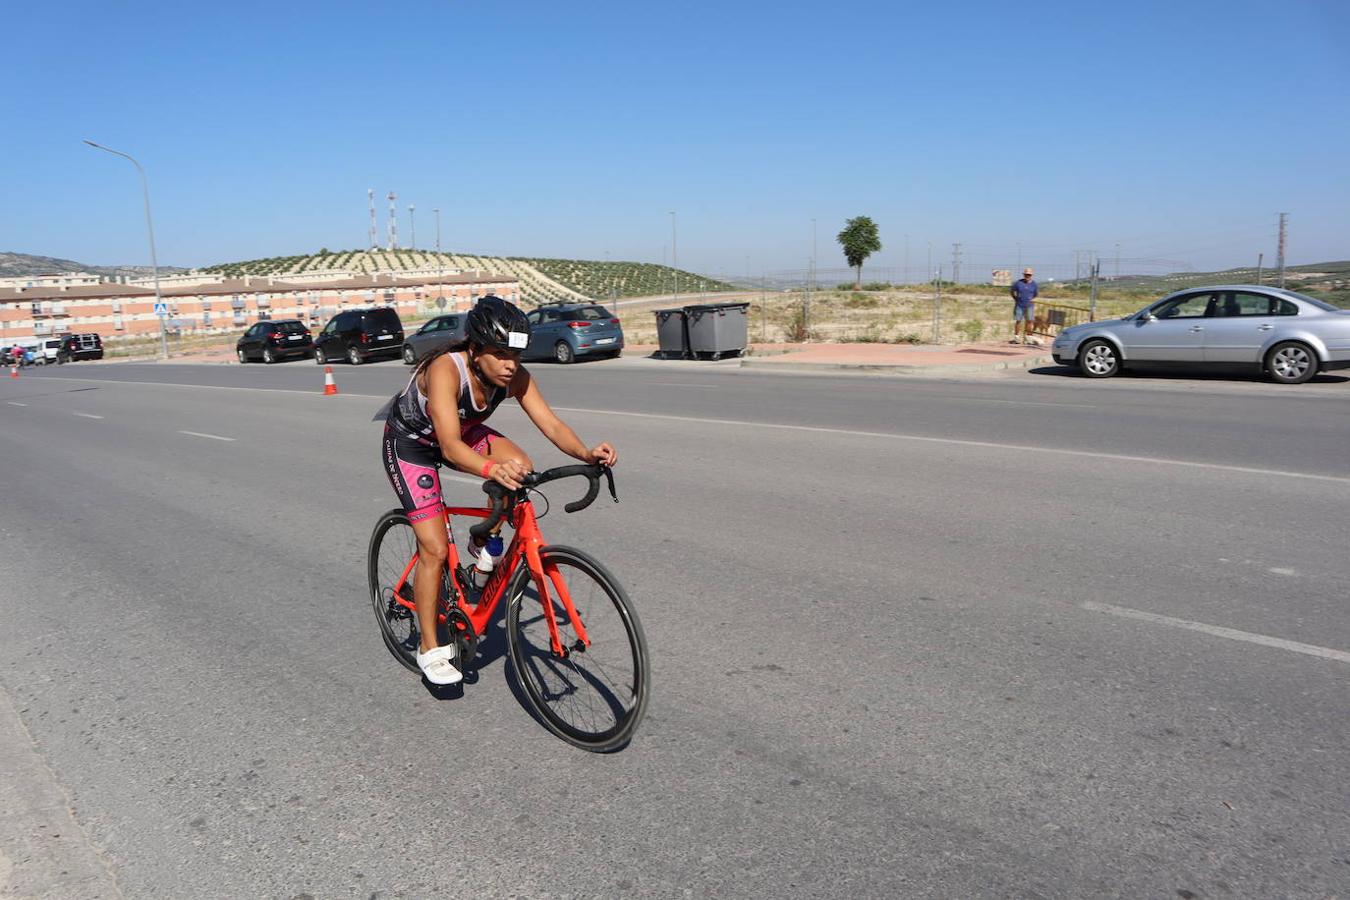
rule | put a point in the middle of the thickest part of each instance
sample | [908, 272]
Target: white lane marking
[989, 445]
[682, 384]
[1022, 402]
[221, 387]
[214, 437]
[15, 403]
[1218, 631]
[87, 415]
[1088, 454]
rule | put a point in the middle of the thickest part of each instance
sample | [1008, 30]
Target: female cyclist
[439, 417]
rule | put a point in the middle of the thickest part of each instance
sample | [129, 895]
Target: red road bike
[575, 643]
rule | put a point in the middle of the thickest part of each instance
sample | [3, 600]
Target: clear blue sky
[1177, 130]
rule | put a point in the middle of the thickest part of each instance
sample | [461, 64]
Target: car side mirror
[1148, 317]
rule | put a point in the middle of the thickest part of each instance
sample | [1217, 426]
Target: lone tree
[859, 240]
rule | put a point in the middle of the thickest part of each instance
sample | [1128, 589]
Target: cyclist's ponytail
[431, 357]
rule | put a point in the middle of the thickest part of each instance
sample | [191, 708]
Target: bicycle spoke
[593, 693]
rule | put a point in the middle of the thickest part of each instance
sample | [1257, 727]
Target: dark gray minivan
[358, 335]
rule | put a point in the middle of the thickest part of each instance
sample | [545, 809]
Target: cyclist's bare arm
[442, 392]
[555, 429]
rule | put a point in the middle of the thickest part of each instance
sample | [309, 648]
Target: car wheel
[353, 357]
[1291, 362]
[409, 354]
[319, 356]
[563, 353]
[1099, 359]
[243, 357]
[268, 356]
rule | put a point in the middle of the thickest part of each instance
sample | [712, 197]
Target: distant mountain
[12, 264]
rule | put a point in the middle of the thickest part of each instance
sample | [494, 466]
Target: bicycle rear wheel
[594, 697]
[392, 544]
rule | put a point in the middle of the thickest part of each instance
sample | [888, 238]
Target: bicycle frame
[525, 545]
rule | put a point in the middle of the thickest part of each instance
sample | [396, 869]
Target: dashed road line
[86, 415]
[1231, 634]
[15, 403]
[202, 434]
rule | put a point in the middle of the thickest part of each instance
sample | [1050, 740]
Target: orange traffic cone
[14, 371]
[329, 387]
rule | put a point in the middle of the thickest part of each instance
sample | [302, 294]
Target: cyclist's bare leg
[432, 550]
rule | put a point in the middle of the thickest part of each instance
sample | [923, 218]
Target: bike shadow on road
[1178, 375]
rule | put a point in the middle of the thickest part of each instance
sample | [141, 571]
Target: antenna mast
[374, 233]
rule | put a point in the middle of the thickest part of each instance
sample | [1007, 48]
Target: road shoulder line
[1231, 634]
[962, 442]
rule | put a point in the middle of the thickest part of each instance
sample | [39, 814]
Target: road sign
[440, 303]
[161, 309]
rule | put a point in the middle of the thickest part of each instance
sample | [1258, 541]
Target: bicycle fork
[538, 571]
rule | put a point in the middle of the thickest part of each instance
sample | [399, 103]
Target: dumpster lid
[707, 307]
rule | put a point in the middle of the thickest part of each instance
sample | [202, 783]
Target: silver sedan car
[1289, 335]
[437, 332]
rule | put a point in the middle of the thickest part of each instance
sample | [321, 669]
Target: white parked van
[45, 351]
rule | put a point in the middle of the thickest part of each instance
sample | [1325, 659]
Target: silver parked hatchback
[1289, 335]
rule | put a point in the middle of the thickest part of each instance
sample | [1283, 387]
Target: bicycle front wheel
[596, 695]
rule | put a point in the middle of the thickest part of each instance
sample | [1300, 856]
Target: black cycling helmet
[493, 322]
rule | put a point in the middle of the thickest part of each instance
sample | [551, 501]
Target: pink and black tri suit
[411, 452]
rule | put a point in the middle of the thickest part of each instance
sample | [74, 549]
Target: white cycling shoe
[438, 666]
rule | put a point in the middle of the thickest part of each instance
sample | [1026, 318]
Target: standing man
[1024, 293]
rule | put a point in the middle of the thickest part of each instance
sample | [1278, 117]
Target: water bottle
[482, 568]
[495, 548]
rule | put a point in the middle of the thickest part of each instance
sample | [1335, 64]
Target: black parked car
[433, 335]
[274, 340]
[80, 346]
[566, 331]
[359, 335]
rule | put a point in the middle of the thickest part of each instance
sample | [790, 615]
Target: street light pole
[149, 225]
[674, 256]
[440, 264]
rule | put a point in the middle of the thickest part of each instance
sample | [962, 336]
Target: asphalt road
[1021, 635]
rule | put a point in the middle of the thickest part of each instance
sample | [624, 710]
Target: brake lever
[609, 477]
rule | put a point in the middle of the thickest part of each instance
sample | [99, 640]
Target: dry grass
[899, 316]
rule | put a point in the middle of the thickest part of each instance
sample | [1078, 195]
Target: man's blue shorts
[1023, 313]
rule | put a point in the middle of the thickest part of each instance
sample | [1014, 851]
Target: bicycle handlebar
[504, 498]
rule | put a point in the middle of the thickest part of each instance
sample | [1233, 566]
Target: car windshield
[591, 313]
[290, 328]
[1313, 301]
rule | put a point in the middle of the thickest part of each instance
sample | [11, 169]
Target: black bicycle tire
[622, 732]
[382, 527]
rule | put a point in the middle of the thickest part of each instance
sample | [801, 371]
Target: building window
[117, 320]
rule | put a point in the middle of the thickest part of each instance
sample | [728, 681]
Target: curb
[896, 369]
